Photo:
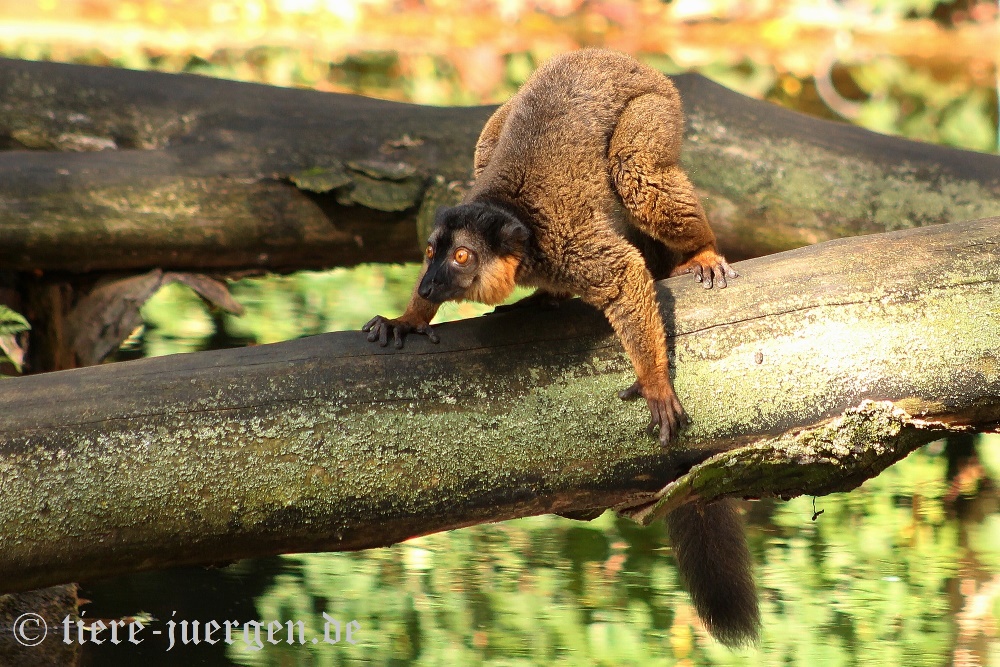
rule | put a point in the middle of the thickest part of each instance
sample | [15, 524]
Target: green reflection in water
[875, 580]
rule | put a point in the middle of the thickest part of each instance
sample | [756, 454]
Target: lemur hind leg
[488, 139]
[615, 279]
[643, 156]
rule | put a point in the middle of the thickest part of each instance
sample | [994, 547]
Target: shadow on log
[809, 374]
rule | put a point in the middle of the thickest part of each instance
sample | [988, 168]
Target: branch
[810, 373]
[133, 170]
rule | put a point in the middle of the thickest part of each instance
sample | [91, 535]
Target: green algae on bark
[227, 176]
[332, 443]
[834, 456]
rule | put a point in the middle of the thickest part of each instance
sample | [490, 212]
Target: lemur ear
[514, 234]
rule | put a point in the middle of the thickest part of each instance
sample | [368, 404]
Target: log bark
[813, 371]
[108, 169]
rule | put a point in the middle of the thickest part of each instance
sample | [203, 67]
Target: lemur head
[473, 253]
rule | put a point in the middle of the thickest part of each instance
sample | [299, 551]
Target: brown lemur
[566, 172]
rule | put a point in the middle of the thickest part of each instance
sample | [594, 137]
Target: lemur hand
[379, 328]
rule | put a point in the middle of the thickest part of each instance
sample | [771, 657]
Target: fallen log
[106, 169]
[812, 372]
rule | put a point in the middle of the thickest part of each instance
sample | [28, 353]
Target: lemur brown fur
[587, 147]
[566, 171]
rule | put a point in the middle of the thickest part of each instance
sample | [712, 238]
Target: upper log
[811, 372]
[108, 169]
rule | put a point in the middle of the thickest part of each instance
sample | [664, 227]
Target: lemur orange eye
[461, 256]
[429, 253]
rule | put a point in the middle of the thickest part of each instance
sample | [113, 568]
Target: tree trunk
[812, 372]
[109, 169]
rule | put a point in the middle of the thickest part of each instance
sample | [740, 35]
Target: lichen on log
[108, 169]
[332, 443]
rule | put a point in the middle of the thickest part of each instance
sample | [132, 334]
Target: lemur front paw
[665, 410]
[379, 328]
[709, 268]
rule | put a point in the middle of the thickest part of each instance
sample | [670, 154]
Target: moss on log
[331, 443]
[106, 169]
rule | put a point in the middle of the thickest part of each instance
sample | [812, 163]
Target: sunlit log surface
[109, 169]
[810, 373]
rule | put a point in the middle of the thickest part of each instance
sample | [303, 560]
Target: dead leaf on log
[215, 291]
[109, 314]
[105, 317]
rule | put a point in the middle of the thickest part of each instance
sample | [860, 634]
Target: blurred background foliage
[903, 571]
[922, 68]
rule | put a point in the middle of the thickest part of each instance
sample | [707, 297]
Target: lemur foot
[665, 410]
[709, 268]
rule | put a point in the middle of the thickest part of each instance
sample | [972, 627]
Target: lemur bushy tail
[714, 561]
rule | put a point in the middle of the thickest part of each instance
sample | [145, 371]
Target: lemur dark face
[473, 253]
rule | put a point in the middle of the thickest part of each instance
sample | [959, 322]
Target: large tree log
[331, 443]
[221, 176]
